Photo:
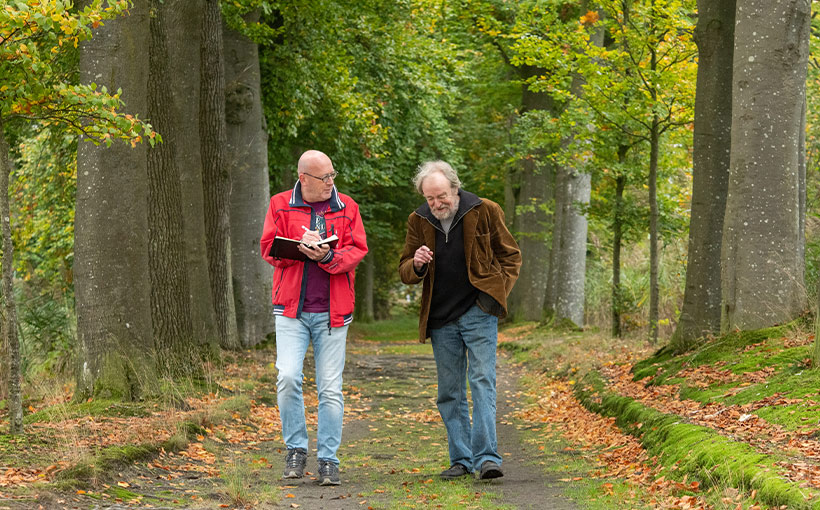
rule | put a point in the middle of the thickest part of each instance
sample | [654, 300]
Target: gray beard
[450, 212]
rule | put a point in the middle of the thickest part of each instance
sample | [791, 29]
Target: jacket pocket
[483, 252]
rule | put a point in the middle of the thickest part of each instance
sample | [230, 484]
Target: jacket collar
[467, 201]
[296, 199]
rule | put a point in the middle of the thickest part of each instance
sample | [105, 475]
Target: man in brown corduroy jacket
[459, 246]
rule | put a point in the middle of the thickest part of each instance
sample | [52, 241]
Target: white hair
[431, 167]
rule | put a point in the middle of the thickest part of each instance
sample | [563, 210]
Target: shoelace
[294, 460]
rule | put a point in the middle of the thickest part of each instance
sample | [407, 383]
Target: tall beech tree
[714, 35]
[247, 158]
[185, 16]
[173, 334]
[216, 179]
[111, 226]
[762, 271]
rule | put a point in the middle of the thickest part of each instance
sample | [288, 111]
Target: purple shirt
[317, 293]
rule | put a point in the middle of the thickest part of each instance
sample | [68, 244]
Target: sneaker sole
[328, 481]
[292, 474]
[491, 474]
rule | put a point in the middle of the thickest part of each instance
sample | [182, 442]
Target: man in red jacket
[313, 301]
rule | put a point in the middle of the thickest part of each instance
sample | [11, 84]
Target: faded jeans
[292, 339]
[465, 349]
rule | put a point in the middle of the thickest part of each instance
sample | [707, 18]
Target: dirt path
[393, 447]
[411, 379]
[525, 485]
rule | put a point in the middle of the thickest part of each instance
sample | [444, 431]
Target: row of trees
[577, 116]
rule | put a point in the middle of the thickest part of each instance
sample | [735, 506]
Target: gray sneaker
[295, 463]
[328, 473]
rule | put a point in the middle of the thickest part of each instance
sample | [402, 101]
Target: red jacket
[287, 214]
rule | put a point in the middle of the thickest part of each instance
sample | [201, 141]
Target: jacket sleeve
[274, 226]
[412, 241]
[505, 249]
[347, 256]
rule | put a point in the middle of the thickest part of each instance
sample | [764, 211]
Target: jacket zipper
[447, 234]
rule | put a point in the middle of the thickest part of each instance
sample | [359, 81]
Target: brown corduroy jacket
[493, 257]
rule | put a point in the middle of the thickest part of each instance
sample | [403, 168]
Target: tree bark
[366, 310]
[568, 268]
[10, 338]
[185, 16]
[532, 222]
[216, 182]
[617, 237]
[174, 343]
[250, 189]
[762, 277]
[714, 35]
[111, 226]
[654, 142]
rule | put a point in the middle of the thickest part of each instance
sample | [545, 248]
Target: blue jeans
[466, 347]
[292, 339]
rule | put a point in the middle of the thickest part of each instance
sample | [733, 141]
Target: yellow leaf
[124, 484]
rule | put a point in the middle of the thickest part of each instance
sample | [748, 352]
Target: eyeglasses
[325, 178]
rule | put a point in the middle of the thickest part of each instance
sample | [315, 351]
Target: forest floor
[222, 448]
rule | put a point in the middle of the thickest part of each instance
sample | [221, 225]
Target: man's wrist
[328, 257]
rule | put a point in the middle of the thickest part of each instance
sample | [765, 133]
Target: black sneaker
[455, 471]
[490, 470]
[328, 473]
[295, 463]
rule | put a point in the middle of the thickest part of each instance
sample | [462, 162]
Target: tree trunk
[617, 236]
[365, 287]
[654, 142]
[216, 182]
[532, 222]
[714, 34]
[568, 269]
[762, 278]
[185, 16]
[565, 296]
[111, 281]
[10, 338]
[250, 189]
[174, 342]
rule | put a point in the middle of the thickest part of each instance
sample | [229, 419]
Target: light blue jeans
[292, 339]
[466, 349]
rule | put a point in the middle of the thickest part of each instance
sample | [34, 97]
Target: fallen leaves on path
[67, 441]
[616, 454]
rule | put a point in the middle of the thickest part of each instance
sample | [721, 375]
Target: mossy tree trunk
[10, 338]
[216, 178]
[714, 35]
[112, 288]
[247, 159]
[762, 272]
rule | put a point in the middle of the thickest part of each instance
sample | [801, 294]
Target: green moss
[698, 451]
[106, 461]
[664, 365]
[96, 407]
[239, 405]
